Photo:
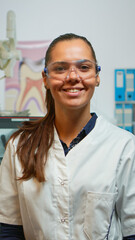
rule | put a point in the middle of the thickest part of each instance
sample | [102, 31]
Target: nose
[73, 75]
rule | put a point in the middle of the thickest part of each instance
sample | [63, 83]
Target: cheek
[55, 85]
[90, 83]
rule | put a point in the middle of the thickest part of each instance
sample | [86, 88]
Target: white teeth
[72, 90]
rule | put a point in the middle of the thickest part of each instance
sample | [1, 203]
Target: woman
[71, 174]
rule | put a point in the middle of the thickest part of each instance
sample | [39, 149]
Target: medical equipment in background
[8, 52]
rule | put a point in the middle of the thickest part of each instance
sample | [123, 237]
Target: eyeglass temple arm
[98, 68]
[45, 70]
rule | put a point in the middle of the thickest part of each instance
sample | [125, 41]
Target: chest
[87, 167]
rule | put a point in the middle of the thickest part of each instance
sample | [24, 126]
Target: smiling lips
[72, 90]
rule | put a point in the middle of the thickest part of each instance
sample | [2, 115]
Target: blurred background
[108, 25]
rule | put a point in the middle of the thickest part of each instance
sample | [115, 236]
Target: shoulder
[13, 141]
[111, 128]
[113, 134]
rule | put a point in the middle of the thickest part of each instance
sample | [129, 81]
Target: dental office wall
[108, 24]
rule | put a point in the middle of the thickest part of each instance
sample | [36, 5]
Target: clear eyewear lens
[84, 69]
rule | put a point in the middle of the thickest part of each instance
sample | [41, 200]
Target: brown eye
[84, 67]
[59, 68]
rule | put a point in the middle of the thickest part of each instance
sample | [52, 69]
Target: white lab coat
[89, 194]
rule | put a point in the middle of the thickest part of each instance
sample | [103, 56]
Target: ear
[97, 80]
[45, 80]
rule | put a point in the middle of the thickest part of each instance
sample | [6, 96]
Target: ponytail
[35, 139]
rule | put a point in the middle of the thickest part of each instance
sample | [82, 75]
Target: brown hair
[36, 137]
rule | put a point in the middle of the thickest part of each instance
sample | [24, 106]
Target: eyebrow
[80, 60]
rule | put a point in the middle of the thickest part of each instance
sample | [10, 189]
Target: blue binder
[130, 84]
[128, 117]
[119, 85]
[119, 113]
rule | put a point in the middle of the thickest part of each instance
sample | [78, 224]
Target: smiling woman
[69, 175]
[71, 76]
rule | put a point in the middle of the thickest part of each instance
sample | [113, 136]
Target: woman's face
[71, 93]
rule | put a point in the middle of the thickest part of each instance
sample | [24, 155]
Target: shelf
[124, 102]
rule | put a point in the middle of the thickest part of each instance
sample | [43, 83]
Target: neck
[70, 123]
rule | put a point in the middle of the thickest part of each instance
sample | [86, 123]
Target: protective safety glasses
[84, 69]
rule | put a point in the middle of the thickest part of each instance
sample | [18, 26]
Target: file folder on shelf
[130, 85]
[119, 115]
[119, 85]
[128, 117]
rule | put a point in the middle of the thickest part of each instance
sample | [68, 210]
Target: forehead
[69, 50]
